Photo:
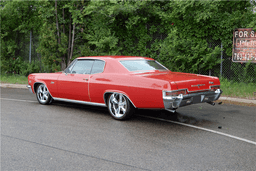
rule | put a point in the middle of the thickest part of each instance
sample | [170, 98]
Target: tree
[56, 44]
[17, 20]
[196, 25]
[179, 34]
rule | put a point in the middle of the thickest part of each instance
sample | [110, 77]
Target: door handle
[86, 79]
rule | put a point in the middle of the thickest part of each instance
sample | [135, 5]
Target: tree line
[178, 34]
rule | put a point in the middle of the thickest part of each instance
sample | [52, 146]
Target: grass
[229, 88]
[13, 79]
[241, 90]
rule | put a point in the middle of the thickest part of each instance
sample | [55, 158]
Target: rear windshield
[142, 65]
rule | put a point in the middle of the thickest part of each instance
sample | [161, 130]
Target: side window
[82, 67]
[68, 69]
[98, 67]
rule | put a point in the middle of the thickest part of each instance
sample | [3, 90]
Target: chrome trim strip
[80, 102]
[167, 97]
[197, 91]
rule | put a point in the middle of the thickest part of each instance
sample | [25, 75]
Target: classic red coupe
[123, 83]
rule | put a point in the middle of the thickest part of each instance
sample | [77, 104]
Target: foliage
[28, 68]
[179, 33]
[18, 66]
[13, 79]
[245, 72]
[237, 89]
[17, 20]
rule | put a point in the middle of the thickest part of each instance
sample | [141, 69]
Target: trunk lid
[191, 82]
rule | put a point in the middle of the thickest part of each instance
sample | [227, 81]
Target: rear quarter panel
[143, 92]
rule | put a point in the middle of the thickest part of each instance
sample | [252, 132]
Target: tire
[119, 106]
[42, 94]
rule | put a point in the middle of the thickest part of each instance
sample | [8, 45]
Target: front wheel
[43, 95]
[119, 106]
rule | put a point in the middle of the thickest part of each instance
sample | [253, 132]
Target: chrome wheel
[42, 94]
[119, 107]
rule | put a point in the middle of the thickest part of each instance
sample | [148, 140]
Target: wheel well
[35, 86]
[107, 94]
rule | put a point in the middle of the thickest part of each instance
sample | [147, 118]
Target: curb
[5, 85]
[238, 100]
[24, 86]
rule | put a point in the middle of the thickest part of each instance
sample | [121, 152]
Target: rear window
[142, 65]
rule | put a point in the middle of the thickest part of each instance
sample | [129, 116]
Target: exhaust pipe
[211, 103]
[173, 111]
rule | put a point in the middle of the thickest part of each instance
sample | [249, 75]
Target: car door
[73, 83]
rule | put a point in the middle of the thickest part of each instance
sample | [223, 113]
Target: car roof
[116, 57]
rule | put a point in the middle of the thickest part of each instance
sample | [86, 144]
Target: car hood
[191, 82]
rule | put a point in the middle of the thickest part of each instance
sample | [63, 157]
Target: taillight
[214, 88]
[176, 93]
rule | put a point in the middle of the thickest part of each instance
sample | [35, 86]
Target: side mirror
[65, 71]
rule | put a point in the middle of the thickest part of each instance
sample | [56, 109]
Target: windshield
[142, 65]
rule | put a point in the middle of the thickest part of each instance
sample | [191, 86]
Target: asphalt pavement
[66, 136]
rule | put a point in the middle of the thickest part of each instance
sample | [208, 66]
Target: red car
[123, 83]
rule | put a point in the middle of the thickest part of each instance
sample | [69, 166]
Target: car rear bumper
[174, 102]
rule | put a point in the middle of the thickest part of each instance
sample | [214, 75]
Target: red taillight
[176, 93]
[214, 88]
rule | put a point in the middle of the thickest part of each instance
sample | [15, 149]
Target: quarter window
[98, 67]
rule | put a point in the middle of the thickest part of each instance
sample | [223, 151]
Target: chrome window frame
[75, 61]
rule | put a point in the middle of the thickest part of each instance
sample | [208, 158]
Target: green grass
[229, 88]
[14, 79]
[234, 89]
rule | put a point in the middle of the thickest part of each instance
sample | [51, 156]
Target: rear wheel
[119, 106]
[43, 95]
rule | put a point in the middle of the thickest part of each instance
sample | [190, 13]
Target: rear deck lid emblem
[198, 85]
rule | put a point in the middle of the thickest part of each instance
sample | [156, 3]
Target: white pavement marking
[19, 100]
[204, 129]
[179, 123]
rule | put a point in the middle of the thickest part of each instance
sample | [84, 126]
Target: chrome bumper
[30, 89]
[174, 102]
